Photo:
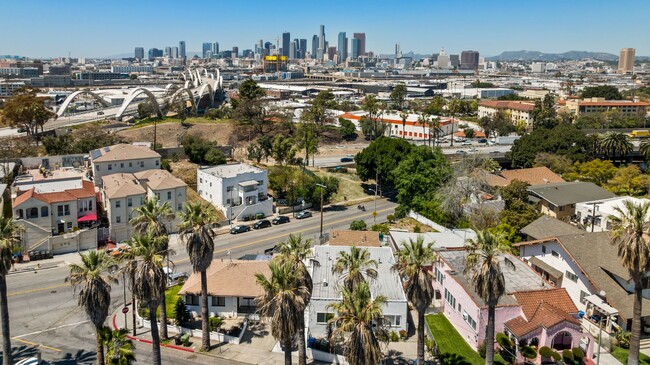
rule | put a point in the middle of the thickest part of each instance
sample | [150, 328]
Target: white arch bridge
[199, 84]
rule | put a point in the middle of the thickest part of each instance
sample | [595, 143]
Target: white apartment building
[596, 213]
[237, 189]
[122, 158]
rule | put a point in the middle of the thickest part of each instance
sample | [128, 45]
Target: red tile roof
[612, 103]
[86, 191]
[542, 308]
[515, 105]
[533, 176]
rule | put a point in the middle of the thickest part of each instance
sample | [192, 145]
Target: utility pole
[593, 214]
[126, 324]
[321, 210]
[374, 212]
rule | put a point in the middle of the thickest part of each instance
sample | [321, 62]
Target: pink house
[468, 312]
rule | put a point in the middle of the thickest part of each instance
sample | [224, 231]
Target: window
[69, 225]
[157, 163]
[44, 211]
[118, 203]
[459, 307]
[323, 317]
[201, 180]
[394, 321]
[19, 213]
[129, 202]
[583, 295]
[439, 276]
[141, 163]
[543, 248]
[608, 225]
[218, 301]
[118, 219]
[97, 167]
[450, 299]
[157, 196]
[141, 200]
[130, 164]
[554, 253]
[260, 182]
[31, 213]
[562, 208]
[180, 206]
[110, 167]
[571, 276]
[469, 320]
[597, 221]
[121, 165]
[229, 188]
[169, 195]
[192, 299]
[62, 210]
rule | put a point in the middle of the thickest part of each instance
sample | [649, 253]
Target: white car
[29, 361]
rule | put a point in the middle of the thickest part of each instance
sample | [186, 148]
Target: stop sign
[125, 310]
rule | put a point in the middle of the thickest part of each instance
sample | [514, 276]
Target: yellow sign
[275, 58]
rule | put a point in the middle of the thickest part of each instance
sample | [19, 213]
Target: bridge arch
[134, 94]
[189, 95]
[202, 90]
[71, 97]
[170, 88]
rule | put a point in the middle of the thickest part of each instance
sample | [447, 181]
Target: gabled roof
[159, 179]
[228, 278]
[546, 226]
[121, 185]
[122, 152]
[533, 176]
[565, 193]
[86, 191]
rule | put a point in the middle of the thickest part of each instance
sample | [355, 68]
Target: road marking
[278, 236]
[36, 344]
[50, 329]
[38, 289]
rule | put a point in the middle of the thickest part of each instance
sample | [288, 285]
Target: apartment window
[141, 200]
[110, 167]
[157, 196]
[141, 163]
[130, 164]
[543, 248]
[210, 183]
[571, 276]
[583, 295]
[439, 276]
[201, 180]
[45, 211]
[554, 253]
[469, 320]
[121, 165]
[450, 299]
[218, 301]
[608, 225]
[562, 208]
[129, 202]
[118, 219]
[90, 205]
[62, 210]
[192, 299]
[229, 188]
[19, 213]
[394, 321]
[597, 221]
[157, 163]
[69, 225]
[32, 213]
[323, 317]
[118, 203]
[260, 182]
[180, 206]
[169, 195]
[97, 167]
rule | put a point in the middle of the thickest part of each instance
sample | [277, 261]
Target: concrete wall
[81, 240]
[74, 160]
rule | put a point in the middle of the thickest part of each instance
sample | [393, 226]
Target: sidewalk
[56, 261]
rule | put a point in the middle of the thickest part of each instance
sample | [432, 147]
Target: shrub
[394, 336]
[185, 340]
[556, 356]
[567, 356]
[391, 218]
[215, 323]
[382, 228]
[181, 313]
[482, 349]
[546, 351]
[359, 225]
[578, 353]
[504, 341]
[165, 165]
[417, 228]
[402, 334]
[623, 339]
[143, 312]
[528, 352]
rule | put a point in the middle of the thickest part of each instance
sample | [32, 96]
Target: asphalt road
[44, 311]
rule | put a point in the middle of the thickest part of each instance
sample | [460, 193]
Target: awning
[546, 267]
[88, 218]
[248, 183]
[601, 305]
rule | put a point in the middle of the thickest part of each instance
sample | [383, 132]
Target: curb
[143, 340]
[32, 269]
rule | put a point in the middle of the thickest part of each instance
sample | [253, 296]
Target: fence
[426, 221]
[222, 337]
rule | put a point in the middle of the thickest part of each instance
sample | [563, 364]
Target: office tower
[168, 52]
[362, 43]
[292, 50]
[469, 60]
[343, 47]
[355, 48]
[297, 52]
[314, 46]
[175, 52]
[154, 52]
[207, 47]
[303, 48]
[331, 51]
[181, 49]
[235, 52]
[454, 60]
[215, 48]
[286, 40]
[267, 48]
[398, 51]
[322, 48]
[139, 53]
[626, 60]
[443, 59]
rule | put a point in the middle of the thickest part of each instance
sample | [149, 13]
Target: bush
[215, 323]
[381, 228]
[623, 339]
[528, 352]
[165, 165]
[402, 334]
[348, 130]
[181, 313]
[567, 356]
[394, 336]
[504, 341]
[546, 351]
[578, 353]
[143, 312]
[359, 225]
[391, 218]
[417, 228]
[482, 349]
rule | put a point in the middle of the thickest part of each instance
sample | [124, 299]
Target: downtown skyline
[422, 27]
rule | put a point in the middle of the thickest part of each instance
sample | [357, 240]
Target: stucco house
[559, 200]
[122, 158]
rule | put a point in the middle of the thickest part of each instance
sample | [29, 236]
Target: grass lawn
[171, 296]
[349, 186]
[621, 355]
[449, 341]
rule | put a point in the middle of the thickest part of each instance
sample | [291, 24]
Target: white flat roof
[231, 170]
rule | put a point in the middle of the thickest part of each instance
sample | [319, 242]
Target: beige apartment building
[626, 61]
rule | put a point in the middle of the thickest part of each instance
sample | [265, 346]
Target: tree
[630, 233]
[608, 92]
[358, 225]
[119, 349]
[149, 279]
[469, 132]
[294, 252]
[151, 217]
[133, 77]
[372, 128]
[629, 180]
[423, 120]
[92, 279]
[146, 109]
[422, 171]
[483, 264]
[398, 96]
[27, 110]
[436, 106]
[563, 140]
[403, 116]
[181, 314]
[250, 90]
[348, 129]
[317, 111]
[381, 157]
[283, 151]
[358, 314]
[644, 149]
[282, 303]
[413, 262]
[596, 171]
[196, 232]
[9, 233]
[352, 265]
[201, 151]
[558, 164]
[615, 143]
[308, 140]
[255, 152]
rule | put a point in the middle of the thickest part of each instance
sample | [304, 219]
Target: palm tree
[146, 269]
[294, 252]
[436, 127]
[403, 115]
[282, 303]
[412, 264]
[482, 262]
[423, 120]
[644, 149]
[615, 143]
[94, 280]
[150, 217]
[630, 232]
[196, 232]
[9, 231]
[352, 265]
[119, 349]
[356, 315]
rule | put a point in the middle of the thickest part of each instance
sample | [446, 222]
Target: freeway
[44, 310]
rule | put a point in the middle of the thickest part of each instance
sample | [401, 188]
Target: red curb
[174, 347]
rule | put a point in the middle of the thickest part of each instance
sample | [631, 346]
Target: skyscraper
[292, 50]
[267, 48]
[235, 52]
[286, 40]
[469, 60]
[362, 43]
[314, 46]
[303, 48]
[154, 52]
[139, 53]
[215, 48]
[321, 43]
[297, 52]
[207, 47]
[626, 60]
[343, 47]
[174, 52]
[168, 51]
[331, 52]
[355, 48]
[181, 49]
[454, 59]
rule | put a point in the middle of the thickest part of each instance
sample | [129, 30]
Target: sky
[89, 28]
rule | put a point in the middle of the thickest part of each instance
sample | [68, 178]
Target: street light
[321, 210]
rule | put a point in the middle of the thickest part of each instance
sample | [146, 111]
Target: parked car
[272, 250]
[22, 130]
[100, 113]
[347, 159]
[491, 143]
[240, 229]
[29, 361]
[262, 224]
[461, 152]
[466, 143]
[304, 214]
[280, 220]
[482, 140]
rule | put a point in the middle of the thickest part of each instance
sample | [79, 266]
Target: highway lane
[44, 310]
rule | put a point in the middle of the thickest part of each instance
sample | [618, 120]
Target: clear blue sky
[89, 28]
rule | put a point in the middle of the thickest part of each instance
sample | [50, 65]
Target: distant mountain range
[541, 56]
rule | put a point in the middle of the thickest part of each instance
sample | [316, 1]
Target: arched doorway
[562, 341]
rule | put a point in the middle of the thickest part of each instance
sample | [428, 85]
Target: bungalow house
[546, 226]
[122, 158]
[232, 287]
[594, 215]
[559, 200]
[533, 176]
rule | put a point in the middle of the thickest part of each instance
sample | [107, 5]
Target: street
[44, 311]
